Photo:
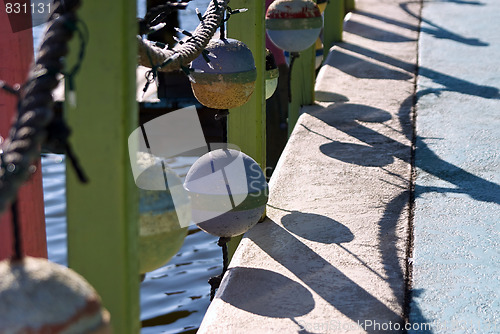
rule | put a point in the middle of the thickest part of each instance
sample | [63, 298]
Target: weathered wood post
[247, 124]
[350, 5]
[103, 214]
[301, 85]
[16, 54]
[303, 77]
[333, 24]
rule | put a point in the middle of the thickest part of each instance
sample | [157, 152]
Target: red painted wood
[16, 53]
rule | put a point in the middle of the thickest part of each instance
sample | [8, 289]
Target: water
[175, 297]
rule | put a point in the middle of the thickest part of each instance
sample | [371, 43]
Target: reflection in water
[175, 297]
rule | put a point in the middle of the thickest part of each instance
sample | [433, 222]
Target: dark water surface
[175, 297]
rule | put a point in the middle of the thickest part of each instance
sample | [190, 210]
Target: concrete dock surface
[384, 208]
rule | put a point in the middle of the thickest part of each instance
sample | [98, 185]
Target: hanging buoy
[272, 74]
[38, 296]
[160, 234]
[293, 25]
[227, 80]
[228, 192]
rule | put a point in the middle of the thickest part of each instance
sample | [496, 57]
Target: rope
[167, 60]
[216, 280]
[157, 14]
[22, 146]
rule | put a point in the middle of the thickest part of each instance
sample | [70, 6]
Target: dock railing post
[350, 5]
[333, 23]
[301, 85]
[103, 214]
[247, 124]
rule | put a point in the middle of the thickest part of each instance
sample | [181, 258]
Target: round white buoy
[160, 233]
[228, 192]
[38, 296]
[228, 80]
[293, 25]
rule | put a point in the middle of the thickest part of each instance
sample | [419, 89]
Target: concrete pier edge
[372, 208]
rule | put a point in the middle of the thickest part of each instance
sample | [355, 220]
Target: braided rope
[22, 146]
[164, 60]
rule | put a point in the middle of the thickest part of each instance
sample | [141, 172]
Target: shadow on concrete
[348, 118]
[319, 275]
[323, 96]
[442, 33]
[374, 33]
[317, 228]
[451, 83]
[266, 293]
[361, 68]
[362, 155]
[435, 30]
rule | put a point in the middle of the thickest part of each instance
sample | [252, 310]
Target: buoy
[38, 296]
[228, 192]
[293, 25]
[272, 74]
[228, 79]
[160, 234]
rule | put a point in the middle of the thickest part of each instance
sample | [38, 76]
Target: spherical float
[38, 296]
[228, 79]
[272, 74]
[160, 234]
[228, 192]
[293, 25]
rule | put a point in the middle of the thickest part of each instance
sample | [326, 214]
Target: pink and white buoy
[293, 25]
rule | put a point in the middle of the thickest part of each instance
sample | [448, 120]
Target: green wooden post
[333, 24]
[103, 214]
[349, 6]
[301, 85]
[247, 124]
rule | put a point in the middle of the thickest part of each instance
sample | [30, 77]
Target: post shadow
[449, 82]
[319, 275]
[374, 33]
[436, 30]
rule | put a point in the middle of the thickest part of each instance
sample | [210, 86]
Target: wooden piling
[247, 124]
[103, 214]
[333, 27]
